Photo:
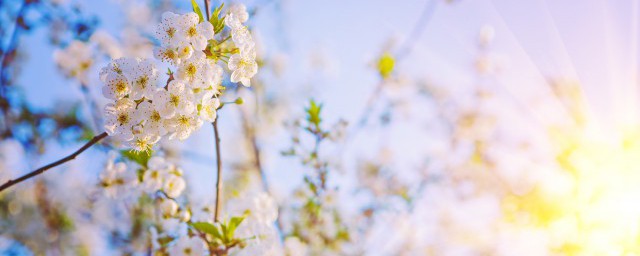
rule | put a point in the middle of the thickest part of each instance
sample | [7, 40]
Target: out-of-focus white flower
[188, 246]
[174, 185]
[486, 35]
[240, 34]
[261, 213]
[184, 215]
[294, 247]
[153, 178]
[238, 12]
[116, 179]
[107, 44]
[75, 60]
[169, 208]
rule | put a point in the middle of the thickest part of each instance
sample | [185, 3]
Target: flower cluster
[162, 175]
[159, 175]
[243, 64]
[141, 112]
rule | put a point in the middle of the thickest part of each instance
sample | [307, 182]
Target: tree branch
[93, 141]
[219, 172]
[206, 7]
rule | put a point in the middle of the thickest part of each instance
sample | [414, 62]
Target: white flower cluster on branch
[142, 113]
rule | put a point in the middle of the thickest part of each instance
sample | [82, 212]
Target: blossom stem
[216, 213]
[41, 170]
[224, 39]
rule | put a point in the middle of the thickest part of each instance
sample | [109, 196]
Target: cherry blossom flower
[174, 185]
[75, 60]
[244, 66]
[143, 77]
[115, 179]
[169, 29]
[119, 118]
[194, 33]
[238, 12]
[176, 100]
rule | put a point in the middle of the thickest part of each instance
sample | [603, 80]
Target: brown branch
[206, 7]
[216, 213]
[41, 170]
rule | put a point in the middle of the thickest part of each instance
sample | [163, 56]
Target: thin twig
[425, 16]
[93, 141]
[403, 51]
[216, 213]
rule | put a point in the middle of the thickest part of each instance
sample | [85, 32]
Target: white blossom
[119, 118]
[195, 33]
[209, 109]
[116, 179]
[238, 12]
[183, 125]
[143, 78]
[75, 60]
[195, 70]
[175, 100]
[243, 65]
[153, 178]
[169, 29]
[174, 185]
[169, 208]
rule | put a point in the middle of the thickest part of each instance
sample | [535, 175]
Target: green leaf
[216, 21]
[313, 113]
[233, 225]
[217, 10]
[207, 228]
[140, 157]
[220, 26]
[385, 65]
[196, 9]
